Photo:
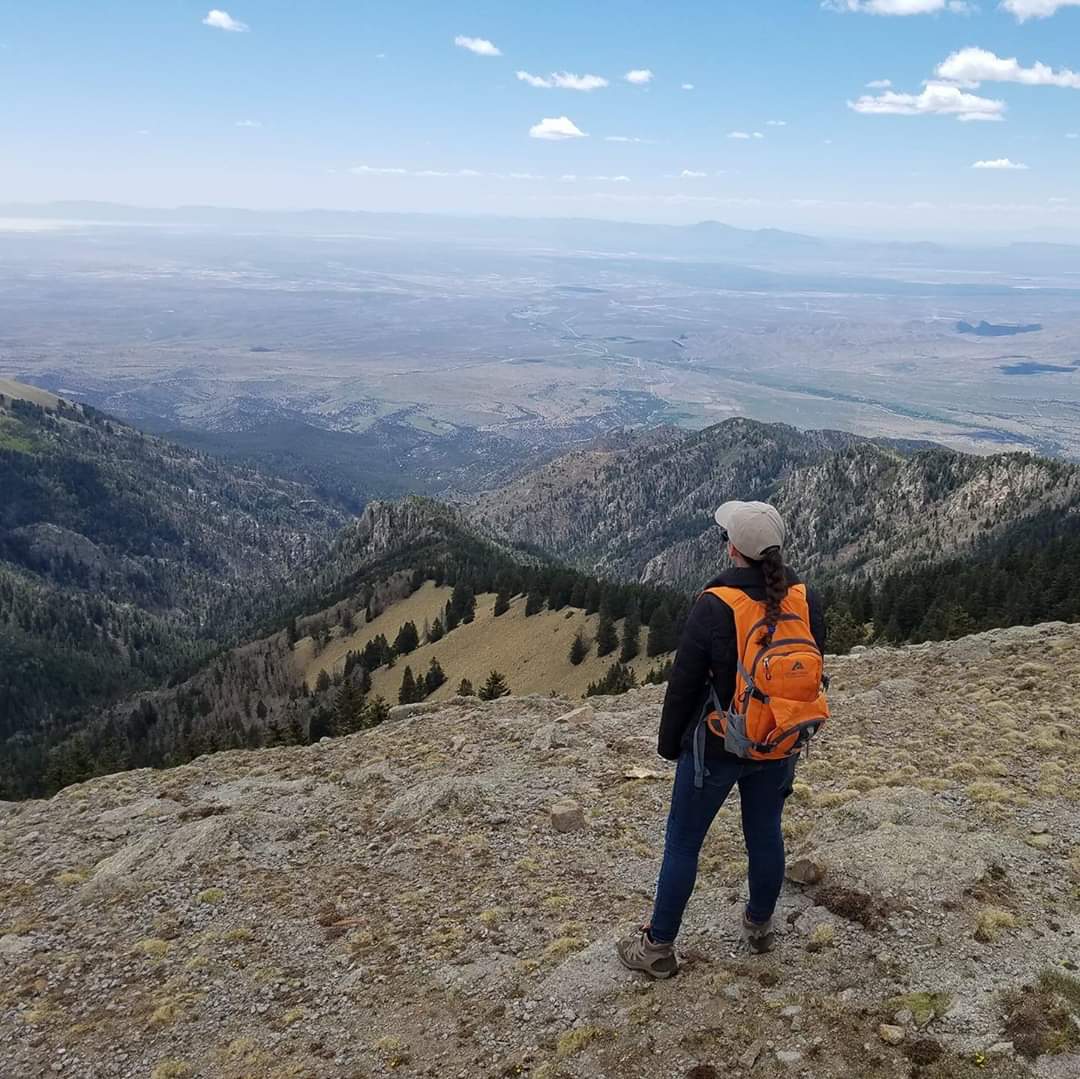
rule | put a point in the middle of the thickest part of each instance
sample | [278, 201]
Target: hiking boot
[639, 951]
[758, 936]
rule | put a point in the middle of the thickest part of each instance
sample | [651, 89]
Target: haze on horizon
[921, 119]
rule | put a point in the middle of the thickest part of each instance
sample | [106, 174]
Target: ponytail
[776, 588]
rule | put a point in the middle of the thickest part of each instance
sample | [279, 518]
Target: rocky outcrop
[644, 510]
[439, 896]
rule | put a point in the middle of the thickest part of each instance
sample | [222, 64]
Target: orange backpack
[779, 702]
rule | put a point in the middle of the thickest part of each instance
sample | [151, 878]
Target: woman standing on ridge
[745, 695]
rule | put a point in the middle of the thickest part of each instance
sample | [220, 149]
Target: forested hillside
[314, 676]
[856, 509]
[124, 559]
[156, 604]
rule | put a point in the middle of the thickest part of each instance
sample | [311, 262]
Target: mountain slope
[310, 671]
[124, 558]
[854, 507]
[400, 901]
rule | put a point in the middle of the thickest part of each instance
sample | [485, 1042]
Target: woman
[706, 664]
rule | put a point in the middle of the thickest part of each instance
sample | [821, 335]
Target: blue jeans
[763, 787]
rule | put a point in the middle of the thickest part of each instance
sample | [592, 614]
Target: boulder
[567, 816]
[805, 871]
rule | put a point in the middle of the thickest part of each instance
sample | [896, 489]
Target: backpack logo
[797, 665]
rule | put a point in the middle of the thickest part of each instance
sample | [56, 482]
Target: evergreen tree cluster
[415, 689]
[1029, 574]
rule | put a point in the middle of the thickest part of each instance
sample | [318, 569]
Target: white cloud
[610, 179]
[745, 135]
[1036, 9]
[222, 20]
[563, 80]
[468, 174]
[1000, 163]
[1073, 135]
[625, 138]
[568, 178]
[377, 170]
[776, 123]
[249, 123]
[691, 174]
[479, 45]
[970, 67]
[688, 86]
[879, 84]
[900, 7]
[555, 128]
[936, 99]
[639, 76]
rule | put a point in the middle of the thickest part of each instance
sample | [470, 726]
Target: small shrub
[822, 936]
[573, 1041]
[990, 921]
[924, 1007]
[153, 948]
[562, 947]
[173, 1069]
[211, 895]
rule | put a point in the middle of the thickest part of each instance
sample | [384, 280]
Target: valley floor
[399, 902]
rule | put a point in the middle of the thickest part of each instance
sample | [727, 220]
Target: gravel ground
[400, 901]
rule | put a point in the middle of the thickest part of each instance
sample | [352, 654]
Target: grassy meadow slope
[531, 652]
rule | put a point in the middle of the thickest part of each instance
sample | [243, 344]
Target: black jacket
[707, 649]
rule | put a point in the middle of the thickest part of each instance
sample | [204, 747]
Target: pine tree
[502, 603]
[661, 632]
[436, 632]
[434, 677]
[377, 711]
[465, 688]
[593, 596]
[631, 635]
[347, 708]
[579, 648]
[408, 692]
[494, 687]
[618, 679]
[451, 617]
[407, 640]
[534, 601]
[844, 631]
[606, 638]
[322, 682]
[323, 725]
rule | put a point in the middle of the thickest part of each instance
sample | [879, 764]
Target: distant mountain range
[703, 240]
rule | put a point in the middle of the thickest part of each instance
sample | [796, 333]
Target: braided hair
[776, 588]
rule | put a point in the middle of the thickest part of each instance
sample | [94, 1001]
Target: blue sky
[419, 106]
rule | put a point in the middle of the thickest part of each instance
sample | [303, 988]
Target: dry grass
[990, 921]
[573, 1041]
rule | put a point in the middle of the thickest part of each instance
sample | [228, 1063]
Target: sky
[922, 118]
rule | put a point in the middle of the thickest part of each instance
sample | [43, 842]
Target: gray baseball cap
[753, 527]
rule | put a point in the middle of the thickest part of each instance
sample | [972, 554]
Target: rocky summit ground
[439, 897]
